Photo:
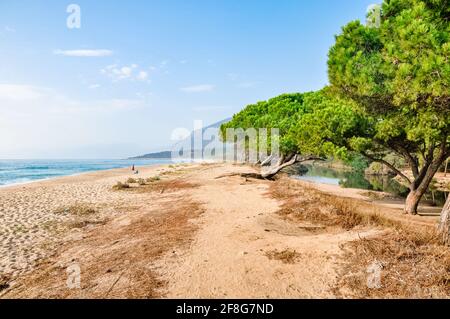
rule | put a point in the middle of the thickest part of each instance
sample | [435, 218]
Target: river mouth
[357, 179]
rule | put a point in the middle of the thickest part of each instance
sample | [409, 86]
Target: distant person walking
[132, 168]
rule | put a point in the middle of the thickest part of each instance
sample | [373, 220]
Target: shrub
[78, 209]
[153, 179]
[120, 186]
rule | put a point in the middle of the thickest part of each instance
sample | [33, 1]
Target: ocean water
[23, 171]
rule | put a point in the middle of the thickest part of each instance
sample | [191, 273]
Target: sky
[134, 71]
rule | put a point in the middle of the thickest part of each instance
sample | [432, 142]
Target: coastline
[31, 230]
[78, 174]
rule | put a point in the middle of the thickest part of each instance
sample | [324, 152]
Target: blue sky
[136, 70]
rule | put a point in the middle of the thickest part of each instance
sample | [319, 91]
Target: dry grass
[302, 203]
[415, 264]
[80, 215]
[79, 209]
[286, 256]
[119, 262]
[121, 186]
[153, 179]
[166, 186]
[82, 222]
[155, 184]
[4, 282]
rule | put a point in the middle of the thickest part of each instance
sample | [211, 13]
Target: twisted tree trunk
[269, 174]
[283, 162]
[444, 225]
[267, 161]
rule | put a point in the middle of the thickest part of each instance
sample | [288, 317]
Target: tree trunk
[289, 160]
[270, 174]
[412, 202]
[444, 225]
[274, 171]
[267, 161]
[420, 185]
[446, 166]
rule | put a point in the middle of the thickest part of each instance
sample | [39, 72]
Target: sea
[25, 171]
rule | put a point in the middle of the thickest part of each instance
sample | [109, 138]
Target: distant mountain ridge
[157, 155]
[168, 154]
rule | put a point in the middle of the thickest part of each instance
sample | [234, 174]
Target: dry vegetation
[121, 186]
[116, 256]
[154, 184]
[81, 215]
[415, 264]
[79, 209]
[302, 203]
[4, 282]
[287, 256]
[120, 256]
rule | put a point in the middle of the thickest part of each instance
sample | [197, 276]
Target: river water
[357, 179]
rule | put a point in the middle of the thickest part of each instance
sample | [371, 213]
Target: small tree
[399, 75]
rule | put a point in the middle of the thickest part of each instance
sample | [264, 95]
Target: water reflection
[357, 179]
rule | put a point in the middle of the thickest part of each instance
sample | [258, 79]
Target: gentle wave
[23, 171]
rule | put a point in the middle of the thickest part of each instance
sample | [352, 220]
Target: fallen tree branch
[270, 174]
[267, 161]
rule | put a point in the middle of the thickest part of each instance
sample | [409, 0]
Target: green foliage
[389, 93]
[314, 123]
[330, 128]
[282, 112]
[399, 74]
[357, 162]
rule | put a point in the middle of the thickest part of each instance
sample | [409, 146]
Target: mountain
[212, 130]
[158, 155]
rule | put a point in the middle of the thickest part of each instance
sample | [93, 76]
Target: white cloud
[32, 119]
[131, 72]
[198, 88]
[84, 53]
[94, 86]
[163, 64]
[142, 76]
[28, 99]
[21, 92]
[9, 29]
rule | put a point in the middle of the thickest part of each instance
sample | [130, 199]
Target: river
[357, 179]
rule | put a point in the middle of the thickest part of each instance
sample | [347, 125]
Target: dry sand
[189, 235]
[29, 227]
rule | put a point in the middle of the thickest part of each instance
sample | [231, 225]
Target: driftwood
[267, 161]
[270, 174]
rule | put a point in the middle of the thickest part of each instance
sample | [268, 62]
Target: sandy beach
[183, 231]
